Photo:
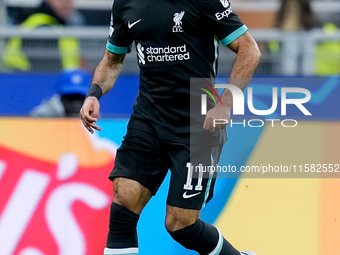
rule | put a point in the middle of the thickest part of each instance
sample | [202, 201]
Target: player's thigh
[130, 194]
[193, 176]
[140, 168]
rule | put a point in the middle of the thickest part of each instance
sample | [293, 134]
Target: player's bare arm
[104, 76]
[247, 59]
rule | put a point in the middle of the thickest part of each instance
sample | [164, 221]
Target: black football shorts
[147, 159]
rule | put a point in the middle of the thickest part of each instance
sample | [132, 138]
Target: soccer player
[175, 41]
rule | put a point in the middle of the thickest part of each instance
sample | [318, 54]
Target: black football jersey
[175, 40]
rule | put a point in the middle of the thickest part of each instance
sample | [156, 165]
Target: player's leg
[140, 168]
[130, 194]
[130, 197]
[189, 191]
[186, 228]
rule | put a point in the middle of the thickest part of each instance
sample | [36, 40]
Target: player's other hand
[89, 114]
[217, 118]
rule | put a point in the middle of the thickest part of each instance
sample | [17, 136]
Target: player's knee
[130, 194]
[173, 224]
[178, 218]
[176, 221]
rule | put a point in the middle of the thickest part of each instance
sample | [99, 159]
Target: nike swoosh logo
[134, 23]
[185, 196]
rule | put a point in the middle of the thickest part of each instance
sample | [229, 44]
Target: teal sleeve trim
[116, 49]
[234, 35]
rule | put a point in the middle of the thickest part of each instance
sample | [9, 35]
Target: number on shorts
[188, 185]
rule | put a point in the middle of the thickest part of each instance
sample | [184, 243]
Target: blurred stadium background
[54, 193]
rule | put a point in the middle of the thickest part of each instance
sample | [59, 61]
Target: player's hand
[89, 114]
[220, 113]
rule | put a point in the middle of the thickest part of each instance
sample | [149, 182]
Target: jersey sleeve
[220, 18]
[119, 40]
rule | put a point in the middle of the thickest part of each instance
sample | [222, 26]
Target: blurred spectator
[295, 15]
[44, 55]
[71, 88]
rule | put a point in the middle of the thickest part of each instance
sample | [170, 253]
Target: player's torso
[169, 34]
[174, 43]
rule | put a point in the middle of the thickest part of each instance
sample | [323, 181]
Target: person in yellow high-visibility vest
[293, 16]
[296, 15]
[327, 55]
[17, 56]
